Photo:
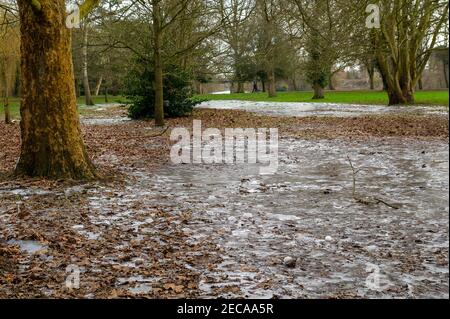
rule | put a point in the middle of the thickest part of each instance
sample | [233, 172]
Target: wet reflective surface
[306, 211]
[318, 109]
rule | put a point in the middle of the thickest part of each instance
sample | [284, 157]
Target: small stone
[232, 219]
[247, 215]
[328, 238]
[289, 262]
[138, 261]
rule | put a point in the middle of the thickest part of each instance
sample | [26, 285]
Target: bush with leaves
[140, 92]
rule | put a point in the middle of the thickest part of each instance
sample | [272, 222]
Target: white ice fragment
[241, 233]
[232, 219]
[371, 248]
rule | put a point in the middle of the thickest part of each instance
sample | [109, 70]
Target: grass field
[15, 102]
[348, 97]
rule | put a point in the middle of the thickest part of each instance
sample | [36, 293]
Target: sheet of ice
[316, 109]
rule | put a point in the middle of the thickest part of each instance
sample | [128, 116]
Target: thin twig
[368, 200]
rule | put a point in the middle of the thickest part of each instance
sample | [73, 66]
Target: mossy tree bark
[52, 144]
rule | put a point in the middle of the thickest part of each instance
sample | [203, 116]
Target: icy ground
[317, 109]
[306, 211]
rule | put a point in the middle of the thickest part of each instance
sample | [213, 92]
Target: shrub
[140, 92]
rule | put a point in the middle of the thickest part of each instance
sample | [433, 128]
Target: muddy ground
[153, 229]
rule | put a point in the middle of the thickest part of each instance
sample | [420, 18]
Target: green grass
[14, 104]
[350, 97]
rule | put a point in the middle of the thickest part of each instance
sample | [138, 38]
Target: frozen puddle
[28, 246]
[317, 109]
[306, 211]
[105, 121]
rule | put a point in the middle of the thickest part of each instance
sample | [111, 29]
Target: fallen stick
[369, 200]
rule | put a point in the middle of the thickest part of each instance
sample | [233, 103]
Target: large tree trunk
[318, 92]
[399, 82]
[87, 89]
[400, 97]
[159, 97]
[52, 144]
[99, 84]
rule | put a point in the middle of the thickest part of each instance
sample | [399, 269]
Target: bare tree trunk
[7, 112]
[52, 144]
[330, 82]
[420, 83]
[294, 83]
[77, 87]
[99, 84]
[272, 92]
[87, 90]
[17, 81]
[240, 87]
[263, 85]
[318, 92]
[106, 94]
[445, 66]
[232, 87]
[6, 107]
[159, 94]
[383, 78]
[371, 72]
[6, 97]
[399, 84]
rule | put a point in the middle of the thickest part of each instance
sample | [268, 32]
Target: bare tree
[409, 32]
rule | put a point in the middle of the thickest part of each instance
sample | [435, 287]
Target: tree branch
[86, 7]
